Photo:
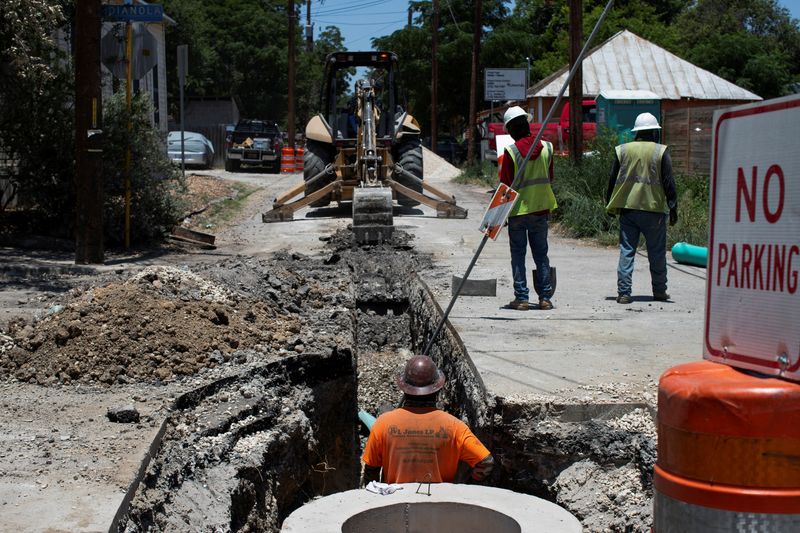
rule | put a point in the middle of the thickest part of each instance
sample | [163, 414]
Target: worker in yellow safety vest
[528, 220]
[641, 190]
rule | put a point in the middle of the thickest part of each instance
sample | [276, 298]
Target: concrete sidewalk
[588, 339]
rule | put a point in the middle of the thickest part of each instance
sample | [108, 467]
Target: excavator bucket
[372, 214]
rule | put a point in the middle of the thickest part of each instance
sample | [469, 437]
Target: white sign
[753, 286]
[504, 84]
[499, 207]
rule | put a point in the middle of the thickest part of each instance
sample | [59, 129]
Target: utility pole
[290, 71]
[89, 246]
[473, 89]
[576, 85]
[309, 28]
[434, 75]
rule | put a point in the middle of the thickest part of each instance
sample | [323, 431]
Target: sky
[361, 20]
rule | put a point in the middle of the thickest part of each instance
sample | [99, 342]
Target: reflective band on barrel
[674, 516]
[734, 460]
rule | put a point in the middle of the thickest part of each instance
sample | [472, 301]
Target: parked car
[198, 150]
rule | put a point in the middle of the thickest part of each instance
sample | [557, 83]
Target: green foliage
[580, 190]
[36, 113]
[156, 183]
[479, 173]
[753, 43]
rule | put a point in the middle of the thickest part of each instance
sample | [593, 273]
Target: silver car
[198, 150]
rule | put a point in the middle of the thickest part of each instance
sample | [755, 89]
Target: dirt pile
[161, 323]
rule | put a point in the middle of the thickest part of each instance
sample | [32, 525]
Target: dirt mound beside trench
[161, 323]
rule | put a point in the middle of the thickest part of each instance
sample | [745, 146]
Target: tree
[36, 115]
[752, 43]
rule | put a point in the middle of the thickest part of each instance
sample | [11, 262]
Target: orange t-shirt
[412, 442]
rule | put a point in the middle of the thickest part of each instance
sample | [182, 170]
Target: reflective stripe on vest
[638, 184]
[535, 192]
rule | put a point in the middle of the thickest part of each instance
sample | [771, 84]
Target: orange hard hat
[420, 377]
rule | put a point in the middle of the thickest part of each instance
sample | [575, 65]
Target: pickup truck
[555, 132]
[254, 142]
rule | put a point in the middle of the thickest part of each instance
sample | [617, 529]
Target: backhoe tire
[316, 157]
[409, 155]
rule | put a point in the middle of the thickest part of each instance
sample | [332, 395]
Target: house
[689, 94]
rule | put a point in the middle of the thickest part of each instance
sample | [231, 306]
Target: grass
[222, 211]
[580, 190]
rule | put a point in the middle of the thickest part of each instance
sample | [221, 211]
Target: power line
[348, 8]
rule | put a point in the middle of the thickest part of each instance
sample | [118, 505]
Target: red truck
[555, 132]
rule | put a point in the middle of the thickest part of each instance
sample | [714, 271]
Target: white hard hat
[646, 121]
[512, 113]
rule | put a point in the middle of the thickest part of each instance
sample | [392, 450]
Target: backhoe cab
[365, 148]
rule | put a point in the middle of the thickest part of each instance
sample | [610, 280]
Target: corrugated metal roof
[629, 62]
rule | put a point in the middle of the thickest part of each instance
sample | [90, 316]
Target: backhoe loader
[365, 149]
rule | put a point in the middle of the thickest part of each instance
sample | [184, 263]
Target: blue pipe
[366, 418]
[690, 254]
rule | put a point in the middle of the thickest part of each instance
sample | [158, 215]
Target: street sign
[500, 206]
[145, 52]
[133, 13]
[753, 286]
[504, 84]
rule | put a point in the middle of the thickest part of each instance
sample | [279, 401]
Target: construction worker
[641, 190]
[418, 442]
[528, 220]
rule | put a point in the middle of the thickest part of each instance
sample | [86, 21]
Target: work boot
[624, 299]
[519, 305]
[545, 305]
[660, 296]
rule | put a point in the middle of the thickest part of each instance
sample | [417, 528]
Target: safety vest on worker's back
[638, 183]
[535, 192]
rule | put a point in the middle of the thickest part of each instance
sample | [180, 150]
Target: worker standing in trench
[418, 442]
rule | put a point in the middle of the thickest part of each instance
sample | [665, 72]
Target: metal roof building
[627, 61]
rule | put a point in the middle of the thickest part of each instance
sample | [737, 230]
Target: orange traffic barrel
[298, 159]
[728, 451]
[287, 160]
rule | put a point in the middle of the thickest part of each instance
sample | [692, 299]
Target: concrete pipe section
[462, 508]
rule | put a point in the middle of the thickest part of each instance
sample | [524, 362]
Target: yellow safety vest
[535, 192]
[638, 184]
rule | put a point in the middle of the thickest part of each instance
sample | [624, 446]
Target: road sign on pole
[504, 84]
[752, 298]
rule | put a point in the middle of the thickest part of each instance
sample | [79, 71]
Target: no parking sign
[753, 287]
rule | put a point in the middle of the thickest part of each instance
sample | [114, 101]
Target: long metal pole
[455, 295]
[517, 178]
[578, 62]
[128, 152]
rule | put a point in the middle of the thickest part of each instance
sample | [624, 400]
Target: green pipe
[690, 254]
[366, 418]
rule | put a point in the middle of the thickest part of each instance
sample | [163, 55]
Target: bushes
[156, 183]
[580, 191]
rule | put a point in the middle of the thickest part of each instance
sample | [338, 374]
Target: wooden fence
[688, 133]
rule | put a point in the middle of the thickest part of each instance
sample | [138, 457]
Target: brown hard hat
[420, 377]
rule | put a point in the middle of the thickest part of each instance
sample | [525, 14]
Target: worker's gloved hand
[673, 216]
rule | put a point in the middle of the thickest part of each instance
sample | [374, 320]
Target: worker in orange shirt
[418, 442]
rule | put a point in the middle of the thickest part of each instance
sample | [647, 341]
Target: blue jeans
[524, 230]
[653, 226]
